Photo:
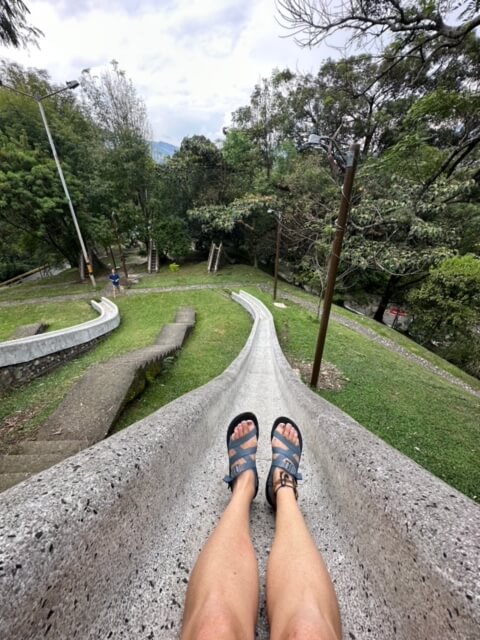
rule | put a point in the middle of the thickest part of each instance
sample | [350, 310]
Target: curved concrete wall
[26, 349]
[101, 545]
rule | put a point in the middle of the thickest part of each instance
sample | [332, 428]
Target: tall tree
[15, 31]
[446, 311]
[415, 28]
[126, 166]
[32, 201]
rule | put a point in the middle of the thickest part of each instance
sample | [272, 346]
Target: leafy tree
[415, 28]
[14, 28]
[32, 201]
[247, 221]
[241, 159]
[125, 164]
[172, 235]
[447, 311]
[196, 175]
[399, 230]
[266, 119]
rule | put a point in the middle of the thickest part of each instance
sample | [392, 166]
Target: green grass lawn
[430, 420]
[190, 273]
[422, 415]
[55, 315]
[49, 289]
[206, 354]
[387, 332]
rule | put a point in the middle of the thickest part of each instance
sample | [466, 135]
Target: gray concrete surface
[27, 330]
[90, 409]
[102, 544]
[26, 349]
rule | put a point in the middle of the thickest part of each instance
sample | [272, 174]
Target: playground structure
[102, 544]
[153, 258]
[214, 257]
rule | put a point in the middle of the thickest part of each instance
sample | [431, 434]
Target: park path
[349, 323]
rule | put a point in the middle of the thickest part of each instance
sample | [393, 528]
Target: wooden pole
[277, 257]
[351, 167]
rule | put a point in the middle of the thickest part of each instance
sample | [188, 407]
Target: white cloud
[192, 61]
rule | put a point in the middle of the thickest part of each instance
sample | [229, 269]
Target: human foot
[242, 437]
[286, 452]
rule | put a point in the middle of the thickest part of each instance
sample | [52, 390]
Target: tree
[247, 221]
[14, 28]
[32, 201]
[266, 119]
[126, 165]
[398, 230]
[446, 309]
[415, 28]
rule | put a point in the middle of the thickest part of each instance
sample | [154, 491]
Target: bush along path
[90, 409]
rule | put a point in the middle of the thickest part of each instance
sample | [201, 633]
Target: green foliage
[171, 236]
[251, 217]
[15, 31]
[447, 311]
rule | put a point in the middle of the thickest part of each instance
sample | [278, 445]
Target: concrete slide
[102, 544]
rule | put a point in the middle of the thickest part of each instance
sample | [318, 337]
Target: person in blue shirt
[115, 280]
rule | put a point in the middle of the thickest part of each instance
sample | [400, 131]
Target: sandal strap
[290, 446]
[234, 473]
[282, 461]
[285, 480]
[241, 453]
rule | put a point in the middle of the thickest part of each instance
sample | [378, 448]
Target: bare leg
[222, 595]
[301, 600]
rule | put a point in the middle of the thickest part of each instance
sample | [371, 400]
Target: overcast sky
[192, 61]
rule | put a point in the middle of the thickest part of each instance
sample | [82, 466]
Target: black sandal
[241, 453]
[285, 460]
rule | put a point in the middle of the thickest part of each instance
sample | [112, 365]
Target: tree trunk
[385, 299]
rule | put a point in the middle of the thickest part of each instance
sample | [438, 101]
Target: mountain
[161, 150]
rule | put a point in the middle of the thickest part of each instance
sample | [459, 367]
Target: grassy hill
[426, 417]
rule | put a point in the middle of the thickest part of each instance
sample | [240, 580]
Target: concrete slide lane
[102, 544]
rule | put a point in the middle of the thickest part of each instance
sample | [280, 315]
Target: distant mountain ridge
[162, 150]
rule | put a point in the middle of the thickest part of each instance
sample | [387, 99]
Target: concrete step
[29, 463]
[172, 334]
[8, 480]
[36, 447]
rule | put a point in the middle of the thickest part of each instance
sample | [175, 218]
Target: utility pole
[277, 256]
[350, 169]
[122, 256]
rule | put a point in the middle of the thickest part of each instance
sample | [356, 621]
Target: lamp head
[72, 84]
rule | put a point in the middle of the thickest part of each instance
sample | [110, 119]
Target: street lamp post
[72, 84]
[351, 162]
